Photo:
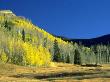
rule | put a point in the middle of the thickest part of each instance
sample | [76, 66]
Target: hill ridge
[23, 43]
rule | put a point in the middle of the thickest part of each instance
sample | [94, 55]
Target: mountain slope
[23, 43]
[105, 40]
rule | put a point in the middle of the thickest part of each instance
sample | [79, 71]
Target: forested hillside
[23, 43]
[105, 40]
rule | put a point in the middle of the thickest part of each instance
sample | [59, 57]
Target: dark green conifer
[7, 25]
[23, 35]
[57, 55]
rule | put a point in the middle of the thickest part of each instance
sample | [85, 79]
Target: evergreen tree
[57, 55]
[68, 59]
[77, 58]
[7, 25]
[23, 35]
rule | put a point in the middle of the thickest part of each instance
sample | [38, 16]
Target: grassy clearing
[60, 72]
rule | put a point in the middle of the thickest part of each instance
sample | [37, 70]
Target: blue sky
[70, 18]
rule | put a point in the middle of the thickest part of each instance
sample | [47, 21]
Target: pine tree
[57, 55]
[6, 25]
[77, 58]
[68, 59]
[23, 35]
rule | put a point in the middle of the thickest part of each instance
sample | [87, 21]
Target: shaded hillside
[105, 40]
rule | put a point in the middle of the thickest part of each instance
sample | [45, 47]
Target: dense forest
[23, 43]
[105, 40]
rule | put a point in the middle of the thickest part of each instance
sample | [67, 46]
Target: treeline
[95, 55]
[23, 43]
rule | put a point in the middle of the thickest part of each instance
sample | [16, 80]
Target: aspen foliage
[36, 56]
[23, 43]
